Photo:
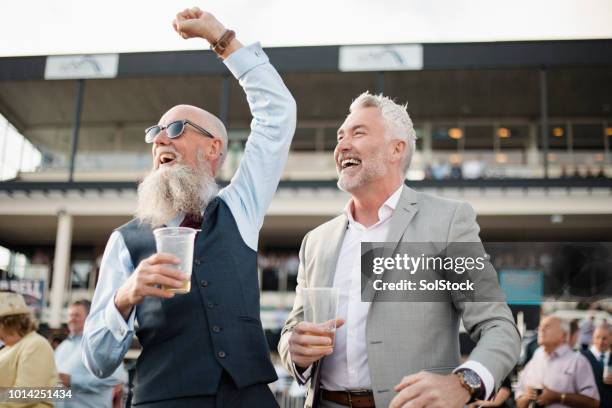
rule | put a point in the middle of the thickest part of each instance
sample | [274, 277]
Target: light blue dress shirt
[107, 335]
[88, 391]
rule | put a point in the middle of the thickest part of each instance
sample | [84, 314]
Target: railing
[27, 187]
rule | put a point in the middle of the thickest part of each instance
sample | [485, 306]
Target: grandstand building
[521, 130]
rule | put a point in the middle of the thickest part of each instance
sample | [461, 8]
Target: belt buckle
[358, 393]
[361, 392]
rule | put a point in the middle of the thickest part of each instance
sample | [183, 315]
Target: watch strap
[223, 42]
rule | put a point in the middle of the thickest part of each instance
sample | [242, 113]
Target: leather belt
[353, 399]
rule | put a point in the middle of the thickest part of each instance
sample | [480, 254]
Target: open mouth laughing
[166, 158]
[349, 162]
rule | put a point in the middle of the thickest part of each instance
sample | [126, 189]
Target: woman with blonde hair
[26, 360]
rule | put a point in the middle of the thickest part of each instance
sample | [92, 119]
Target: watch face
[472, 379]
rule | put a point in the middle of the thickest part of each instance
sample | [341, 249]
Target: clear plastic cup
[179, 242]
[321, 308]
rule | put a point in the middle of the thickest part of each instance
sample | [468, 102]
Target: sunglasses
[174, 130]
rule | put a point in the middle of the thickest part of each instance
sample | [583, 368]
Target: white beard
[168, 191]
[372, 169]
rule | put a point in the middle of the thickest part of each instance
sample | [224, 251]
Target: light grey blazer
[406, 337]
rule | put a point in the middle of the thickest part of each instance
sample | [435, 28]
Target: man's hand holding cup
[310, 342]
[147, 280]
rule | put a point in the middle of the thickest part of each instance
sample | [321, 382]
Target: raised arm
[274, 118]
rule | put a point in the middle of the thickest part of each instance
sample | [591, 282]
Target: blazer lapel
[407, 207]
[329, 252]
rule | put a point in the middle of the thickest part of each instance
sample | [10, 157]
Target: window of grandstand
[558, 136]
[479, 137]
[307, 139]
[16, 152]
[447, 137]
[588, 136]
[512, 136]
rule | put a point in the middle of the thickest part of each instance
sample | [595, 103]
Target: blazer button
[204, 283]
[216, 329]
[196, 261]
[221, 354]
[210, 305]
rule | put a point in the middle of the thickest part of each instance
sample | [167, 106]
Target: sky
[51, 27]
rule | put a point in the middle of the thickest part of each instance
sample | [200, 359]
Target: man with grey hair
[391, 353]
[556, 376]
[206, 347]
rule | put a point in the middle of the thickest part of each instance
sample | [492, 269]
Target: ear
[214, 149]
[399, 148]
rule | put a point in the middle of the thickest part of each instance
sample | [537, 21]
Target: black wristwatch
[471, 382]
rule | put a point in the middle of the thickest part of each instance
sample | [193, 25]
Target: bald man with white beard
[205, 348]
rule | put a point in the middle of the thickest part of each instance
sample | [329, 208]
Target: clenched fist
[194, 22]
[146, 280]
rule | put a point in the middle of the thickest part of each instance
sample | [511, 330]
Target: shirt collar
[384, 212]
[597, 353]
[560, 351]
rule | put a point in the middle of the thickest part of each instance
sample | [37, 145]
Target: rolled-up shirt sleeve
[252, 187]
[107, 335]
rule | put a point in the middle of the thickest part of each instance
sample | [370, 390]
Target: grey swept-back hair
[397, 121]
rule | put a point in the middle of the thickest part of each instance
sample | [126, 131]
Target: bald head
[202, 118]
[552, 332]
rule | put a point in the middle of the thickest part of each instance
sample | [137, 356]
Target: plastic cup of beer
[177, 241]
[321, 308]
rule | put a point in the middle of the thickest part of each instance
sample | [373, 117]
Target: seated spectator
[556, 376]
[27, 358]
[601, 173]
[599, 357]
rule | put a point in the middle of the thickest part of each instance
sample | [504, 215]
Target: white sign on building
[381, 57]
[81, 66]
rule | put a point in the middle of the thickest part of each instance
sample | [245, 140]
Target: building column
[533, 154]
[544, 119]
[76, 127]
[61, 268]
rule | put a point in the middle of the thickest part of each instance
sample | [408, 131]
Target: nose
[344, 145]
[161, 138]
